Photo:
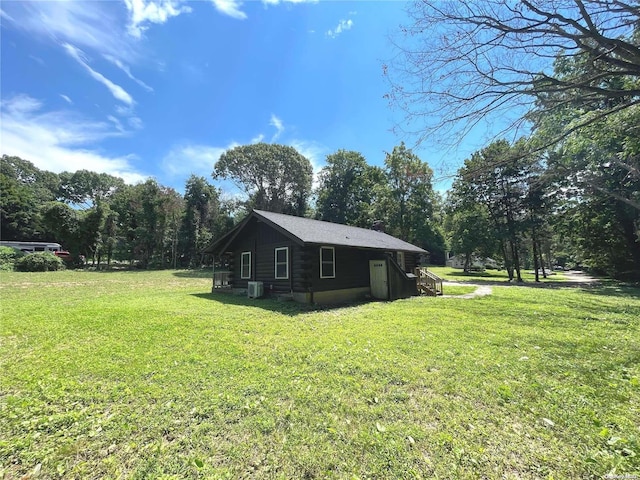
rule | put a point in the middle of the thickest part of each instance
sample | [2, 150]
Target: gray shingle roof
[310, 231]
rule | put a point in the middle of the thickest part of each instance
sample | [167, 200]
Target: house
[315, 261]
[475, 262]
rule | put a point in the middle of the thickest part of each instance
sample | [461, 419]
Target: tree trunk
[536, 263]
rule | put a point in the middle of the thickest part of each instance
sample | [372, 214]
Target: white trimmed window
[282, 263]
[327, 262]
[245, 265]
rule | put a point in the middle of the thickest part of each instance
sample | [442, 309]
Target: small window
[327, 262]
[400, 258]
[282, 263]
[245, 265]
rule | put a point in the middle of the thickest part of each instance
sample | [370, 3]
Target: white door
[378, 275]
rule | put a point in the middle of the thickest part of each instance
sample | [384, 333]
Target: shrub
[39, 262]
[8, 257]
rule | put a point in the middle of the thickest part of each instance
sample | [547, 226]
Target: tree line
[102, 218]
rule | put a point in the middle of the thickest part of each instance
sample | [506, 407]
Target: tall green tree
[469, 229]
[406, 203]
[275, 177]
[200, 221]
[347, 187]
[497, 178]
[24, 188]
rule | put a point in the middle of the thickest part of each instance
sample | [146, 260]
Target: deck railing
[428, 282]
[221, 280]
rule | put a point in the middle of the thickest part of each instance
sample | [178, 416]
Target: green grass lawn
[147, 375]
[459, 275]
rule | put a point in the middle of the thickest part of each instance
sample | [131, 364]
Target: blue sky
[141, 88]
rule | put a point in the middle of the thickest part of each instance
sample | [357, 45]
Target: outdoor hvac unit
[255, 289]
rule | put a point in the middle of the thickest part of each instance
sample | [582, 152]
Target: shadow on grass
[202, 273]
[288, 307]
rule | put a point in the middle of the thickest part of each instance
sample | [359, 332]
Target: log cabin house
[313, 261]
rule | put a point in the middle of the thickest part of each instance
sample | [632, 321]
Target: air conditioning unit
[255, 289]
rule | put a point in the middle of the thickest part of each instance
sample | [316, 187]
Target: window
[400, 258]
[245, 265]
[327, 262]
[282, 262]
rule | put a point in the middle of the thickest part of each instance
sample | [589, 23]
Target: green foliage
[147, 375]
[24, 189]
[39, 262]
[275, 177]
[8, 257]
[347, 189]
[88, 188]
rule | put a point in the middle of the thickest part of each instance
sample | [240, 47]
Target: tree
[85, 188]
[275, 177]
[24, 188]
[463, 61]
[469, 229]
[200, 219]
[346, 190]
[406, 202]
[498, 177]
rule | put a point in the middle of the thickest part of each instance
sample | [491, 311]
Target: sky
[161, 88]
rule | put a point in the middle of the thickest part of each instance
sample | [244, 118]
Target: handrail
[430, 282]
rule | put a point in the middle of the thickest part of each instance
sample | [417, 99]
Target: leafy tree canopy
[275, 177]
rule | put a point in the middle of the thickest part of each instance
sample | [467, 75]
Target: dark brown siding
[268, 240]
[411, 261]
[352, 269]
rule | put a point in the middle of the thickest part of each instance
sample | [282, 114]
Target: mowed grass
[459, 275]
[147, 375]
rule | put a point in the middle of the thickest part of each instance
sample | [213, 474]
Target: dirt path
[480, 291]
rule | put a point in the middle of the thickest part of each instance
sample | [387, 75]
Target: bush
[39, 262]
[8, 258]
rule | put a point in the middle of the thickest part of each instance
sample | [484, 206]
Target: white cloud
[6, 16]
[342, 26]
[230, 8]
[183, 160]
[125, 68]
[135, 123]
[92, 25]
[66, 99]
[314, 152]
[37, 60]
[277, 123]
[57, 140]
[257, 139]
[116, 90]
[142, 12]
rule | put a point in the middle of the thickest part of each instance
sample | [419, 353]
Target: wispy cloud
[116, 90]
[37, 60]
[66, 99]
[144, 12]
[57, 140]
[342, 26]
[89, 25]
[230, 8]
[314, 152]
[277, 123]
[125, 68]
